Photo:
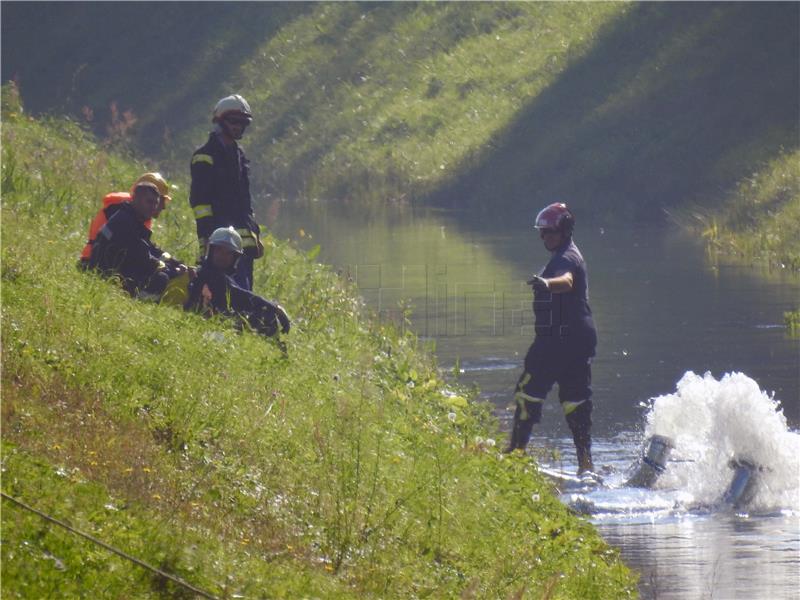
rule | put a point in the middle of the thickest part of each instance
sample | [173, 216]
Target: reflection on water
[661, 310]
[685, 546]
[717, 556]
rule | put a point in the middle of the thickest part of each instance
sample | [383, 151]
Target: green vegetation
[337, 469]
[762, 219]
[345, 468]
[792, 320]
[761, 222]
[391, 101]
[622, 109]
[643, 110]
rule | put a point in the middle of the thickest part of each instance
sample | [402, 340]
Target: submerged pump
[653, 462]
[740, 491]
[742, 488]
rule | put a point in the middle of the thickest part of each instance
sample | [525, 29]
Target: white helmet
[227, 237]
[234, 104]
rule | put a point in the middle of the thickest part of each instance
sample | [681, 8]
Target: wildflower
[535, 497]
[490, 443]
[452, 416]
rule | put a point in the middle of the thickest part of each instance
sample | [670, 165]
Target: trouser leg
[152, 288]
[532, 387]
[157, 283]
[526, 415]
[579, 419]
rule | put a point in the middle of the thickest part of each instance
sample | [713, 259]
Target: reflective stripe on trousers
[570, 407]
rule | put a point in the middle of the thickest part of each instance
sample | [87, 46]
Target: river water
[688, 347]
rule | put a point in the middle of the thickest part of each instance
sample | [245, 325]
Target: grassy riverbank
[618, 108]
[345, 468]
[762, 220]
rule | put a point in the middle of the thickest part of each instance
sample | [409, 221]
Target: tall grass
[762, 220]
[618, 108]
[369, 102]
[761, 223]
[345, 467]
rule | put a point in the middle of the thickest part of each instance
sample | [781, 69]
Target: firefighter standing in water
[565, 339]
[220, 192]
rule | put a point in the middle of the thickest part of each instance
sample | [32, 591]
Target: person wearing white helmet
[220, 189]
[565, 339]
[214, 291]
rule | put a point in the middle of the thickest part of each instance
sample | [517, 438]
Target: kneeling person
[214, 291]
[123, 247]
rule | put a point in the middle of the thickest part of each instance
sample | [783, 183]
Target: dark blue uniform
[228, 298]
[561, 352]
[123, 247]
[220, 197]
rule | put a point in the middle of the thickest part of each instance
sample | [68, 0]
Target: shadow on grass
[674, 104]
[165, 61]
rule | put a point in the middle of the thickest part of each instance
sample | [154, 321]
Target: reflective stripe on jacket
[220, 191]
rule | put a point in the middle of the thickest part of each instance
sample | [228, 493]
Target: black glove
[267, 318]
[540, 284]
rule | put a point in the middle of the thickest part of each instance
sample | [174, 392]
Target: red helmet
[556, 216]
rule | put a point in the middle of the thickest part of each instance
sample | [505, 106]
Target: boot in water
[585, 464]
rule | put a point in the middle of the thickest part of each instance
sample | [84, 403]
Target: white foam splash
[714, 421]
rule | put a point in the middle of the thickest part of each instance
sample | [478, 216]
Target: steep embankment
[345, 468]
[617, 107]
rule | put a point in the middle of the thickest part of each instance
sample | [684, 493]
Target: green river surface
[662, 307]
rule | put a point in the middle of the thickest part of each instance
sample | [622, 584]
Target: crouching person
[214, 291]
[123, 247]
[111, 204]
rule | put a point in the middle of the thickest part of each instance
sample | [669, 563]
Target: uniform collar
[564, 245]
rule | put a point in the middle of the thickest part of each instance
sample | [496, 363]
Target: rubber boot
[584, 453]
[580, 423]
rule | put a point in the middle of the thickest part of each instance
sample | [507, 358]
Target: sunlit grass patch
[343, 467]
[761, 222]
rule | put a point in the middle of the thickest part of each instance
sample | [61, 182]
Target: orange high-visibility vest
[100, 219]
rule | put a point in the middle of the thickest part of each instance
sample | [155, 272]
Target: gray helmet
[235, 105]
[227, 237]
